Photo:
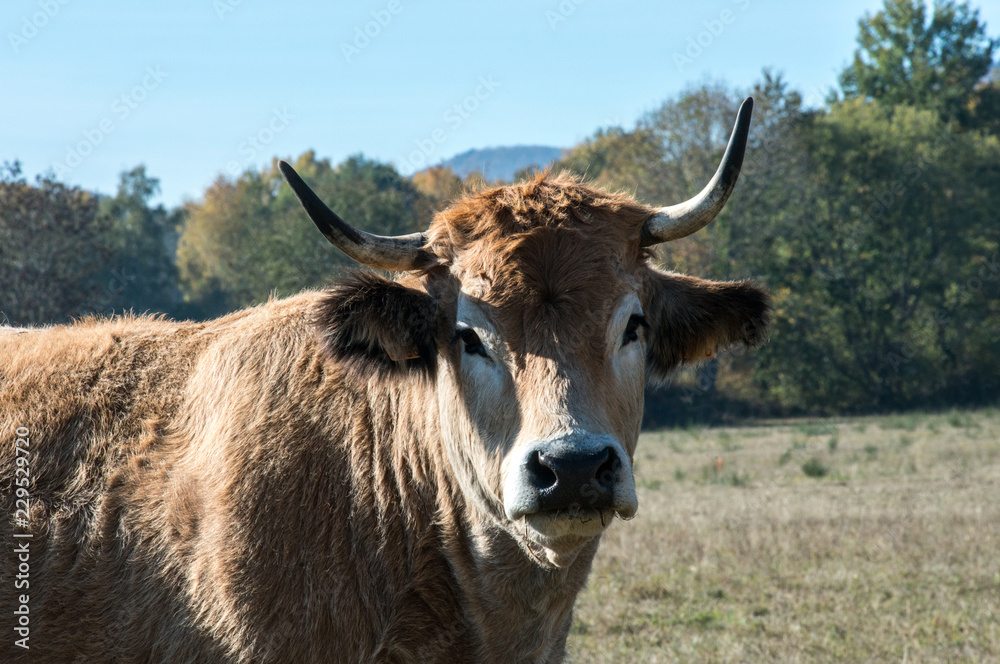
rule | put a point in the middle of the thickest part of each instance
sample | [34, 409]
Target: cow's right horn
[676, 221]
[403, 252]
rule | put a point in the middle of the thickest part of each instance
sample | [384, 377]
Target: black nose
[574, 481]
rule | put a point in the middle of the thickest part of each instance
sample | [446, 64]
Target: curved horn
[677, 221]
[404, 252]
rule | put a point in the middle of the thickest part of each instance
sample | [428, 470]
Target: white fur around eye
[483, 378]
[628, 307]
[485, 374]
[627, 359]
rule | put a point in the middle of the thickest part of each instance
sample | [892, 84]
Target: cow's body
[407, 470]
[219, 492]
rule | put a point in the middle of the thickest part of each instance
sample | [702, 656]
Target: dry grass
[847, 540]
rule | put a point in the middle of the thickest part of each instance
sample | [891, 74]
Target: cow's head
[535, 311]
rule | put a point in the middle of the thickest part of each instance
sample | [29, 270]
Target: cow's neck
[523, 607]
[518, 606]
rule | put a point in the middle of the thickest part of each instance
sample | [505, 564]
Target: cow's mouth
[555, 527]
[555, 538]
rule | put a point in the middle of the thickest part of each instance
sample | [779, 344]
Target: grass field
[844, 540]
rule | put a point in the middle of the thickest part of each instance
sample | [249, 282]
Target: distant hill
[502, 163]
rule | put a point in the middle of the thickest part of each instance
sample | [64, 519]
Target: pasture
[872, 539]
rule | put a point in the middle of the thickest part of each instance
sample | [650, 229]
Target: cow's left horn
[677, 221]
[403, 252]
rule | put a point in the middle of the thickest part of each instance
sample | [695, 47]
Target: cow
[405, 468]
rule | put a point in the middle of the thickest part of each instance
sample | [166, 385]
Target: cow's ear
[689, 319]
[373, 323]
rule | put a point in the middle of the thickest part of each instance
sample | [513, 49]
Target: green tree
[143, 241]
[935, 62]
[879, 300]
[54, 252]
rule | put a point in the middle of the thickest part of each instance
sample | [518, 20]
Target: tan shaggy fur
[315, 479]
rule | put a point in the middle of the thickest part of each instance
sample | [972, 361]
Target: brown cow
[408, 470]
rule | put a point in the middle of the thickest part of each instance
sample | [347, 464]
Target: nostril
[541, 475]
[608, 470]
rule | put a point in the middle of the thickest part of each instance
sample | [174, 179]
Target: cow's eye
[473, 344]
[632, 329]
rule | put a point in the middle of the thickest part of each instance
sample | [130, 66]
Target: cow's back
[89, 396]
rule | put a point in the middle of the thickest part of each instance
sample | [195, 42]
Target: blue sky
[198, 88]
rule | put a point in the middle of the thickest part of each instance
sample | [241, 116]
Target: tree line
[872, 219]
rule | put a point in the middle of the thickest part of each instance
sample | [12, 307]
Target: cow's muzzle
[573, 476]
[569, 480]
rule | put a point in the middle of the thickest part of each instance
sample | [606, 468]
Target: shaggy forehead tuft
[562, 201]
